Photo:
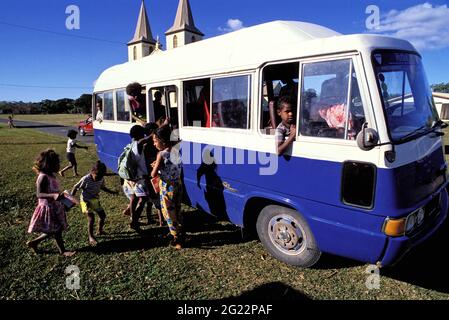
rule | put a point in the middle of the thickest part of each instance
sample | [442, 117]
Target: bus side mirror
[367, 139]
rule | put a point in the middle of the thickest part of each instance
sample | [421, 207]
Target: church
[181, 33]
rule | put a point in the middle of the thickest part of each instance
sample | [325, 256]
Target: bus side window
[197, 103]
[278, 80]
[108, 106]
[172, 99]
[324, 101]
[157, 98]
[230, 107]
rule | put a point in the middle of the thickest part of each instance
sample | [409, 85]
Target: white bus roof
[244, 49]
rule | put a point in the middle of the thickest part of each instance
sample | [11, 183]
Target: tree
[440, 87]
[84, 104]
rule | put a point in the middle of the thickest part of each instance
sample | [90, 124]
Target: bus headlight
[420, 216]
[400, 227]
[411, 222]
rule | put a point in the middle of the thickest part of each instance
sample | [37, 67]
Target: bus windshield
[406, 95]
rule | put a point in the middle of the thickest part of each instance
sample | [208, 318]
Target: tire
[82, 132]
[286, 235]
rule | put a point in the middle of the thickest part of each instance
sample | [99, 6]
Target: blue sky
[51, 66]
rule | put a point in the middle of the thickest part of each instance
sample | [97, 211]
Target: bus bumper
[397, 248]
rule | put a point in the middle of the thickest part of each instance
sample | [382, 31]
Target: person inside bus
[286, 131]
[99, 116]
[159, 109]
[137, 102]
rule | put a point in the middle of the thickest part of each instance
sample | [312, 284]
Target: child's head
[150, 128]
[72, 134]
[134, 89]
[137, 132]
[47, 162]
[98, 170]
[99, 105]
[285, 110]
[161, 138]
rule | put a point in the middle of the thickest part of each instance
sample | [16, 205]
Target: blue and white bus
[366, 176]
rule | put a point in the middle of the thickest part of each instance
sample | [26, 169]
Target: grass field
[70, 120]
[217, 264]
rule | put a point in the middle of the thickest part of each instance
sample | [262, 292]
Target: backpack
[127, 168]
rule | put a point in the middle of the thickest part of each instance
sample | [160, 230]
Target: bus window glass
[324, 100]
[197, 103]
[108, 113]
[230, 102]
[172, 97]
[123, 111]
[406, 94]
[278, 80]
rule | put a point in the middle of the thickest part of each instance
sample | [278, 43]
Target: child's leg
[35, 242]
[132, 211]
[60, 245]
[70, 166]
[90, 227]
[139, 208]
[168, 208]
[75, 169]
[102, 216]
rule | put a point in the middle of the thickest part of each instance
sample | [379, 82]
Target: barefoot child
[168, 168]
[91, 184]
[71, 147]
[49, 217]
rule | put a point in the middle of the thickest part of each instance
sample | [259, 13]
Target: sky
[41, 59]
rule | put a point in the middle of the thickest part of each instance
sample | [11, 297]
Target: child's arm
[80, 147]
[77, 186]
[42, 189]
[282, 146]
[156, 165]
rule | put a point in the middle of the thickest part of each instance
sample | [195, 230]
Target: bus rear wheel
[286, 235]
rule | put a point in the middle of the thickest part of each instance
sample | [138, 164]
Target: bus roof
[244, 49]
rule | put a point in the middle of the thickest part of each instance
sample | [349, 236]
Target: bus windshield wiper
[416, 132]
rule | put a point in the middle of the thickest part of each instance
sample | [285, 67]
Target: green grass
[217, 264]
[71, 120]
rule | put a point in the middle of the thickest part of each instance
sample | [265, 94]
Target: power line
[61, 33]
[41, 87]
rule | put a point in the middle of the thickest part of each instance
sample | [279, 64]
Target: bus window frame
[359, 70]
[259, 112]
[126, 100]
[250, 76]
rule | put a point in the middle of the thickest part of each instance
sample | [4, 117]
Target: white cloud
[232, 25]
[424, 25]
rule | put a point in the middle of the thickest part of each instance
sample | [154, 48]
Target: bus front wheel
[286, 235]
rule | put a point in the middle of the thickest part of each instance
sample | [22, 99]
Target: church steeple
[183, 30]
[143, 42]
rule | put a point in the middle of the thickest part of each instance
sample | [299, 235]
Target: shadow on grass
[426, 265]
[203, 231]
[32, 143]
[273, 291]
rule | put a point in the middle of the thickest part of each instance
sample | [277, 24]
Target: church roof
[143, 30]
[184, 19]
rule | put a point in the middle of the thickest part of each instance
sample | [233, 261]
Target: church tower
[143, 43]
[183, 31]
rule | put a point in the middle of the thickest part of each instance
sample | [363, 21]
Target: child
[91, 184]
[11, 122]
[49, 217]
[137, 189]
[71, 147]
[151, 152]
[168, 167]
[286, 131]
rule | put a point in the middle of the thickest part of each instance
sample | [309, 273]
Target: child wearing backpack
[132, 168]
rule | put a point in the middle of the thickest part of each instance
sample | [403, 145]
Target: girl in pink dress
[49, 217]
